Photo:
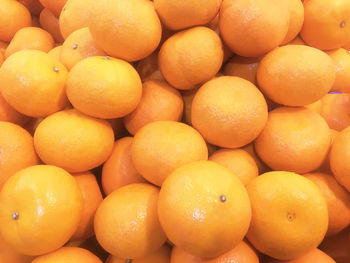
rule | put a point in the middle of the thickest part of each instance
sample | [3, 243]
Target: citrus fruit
[68, 255]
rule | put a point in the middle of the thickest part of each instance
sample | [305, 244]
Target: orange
[126, 223]
[335, 109]
[229, 112]
[297, 41]
[325, 167]
[13, 16]
[7, 113]
[68, 255]
[178, 15]
[315, 255]
[119, 170]
[159, 102]
[162, 146]
[294, 139]
[198, 205]
[261, 166]
[190, 57]
[240, 162]
[130, 30]
[104, 87]
[77, 46]
[316, 106]
[55, 6]
[73, 140]
[337, 246]
[296, 15]
[55, 52]
[17, 150]
[162, 255]
[36, 75]
[148, 66]
[341, 59]
[347, 46]
[253, 27]
[40, 209]
[187, 96]
[49, 22]
[34, 6]
[340, 152]
[326, 24]
[296, 75]
[92, 198]
[30, 38]
[3, 46]
[338, 201]
[9, 255]
[283, 205]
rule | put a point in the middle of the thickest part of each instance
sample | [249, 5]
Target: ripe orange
[283, 205]
[40, 209]
[49, 22]
[242, 67]
[73, 141]
[34, 6]
[126, 222]
[296, 15]
[130, 30]
[297, 41]
[314, 255]
[119, 170]
[9, 255]
[316, 106]
[190, 57]
[3, 46]
[162, 146]
[261, 166]
[55, 6]
[325, 167]
[68, 255]
[7, 113]
[198, 205]
[279, 75]
[341, 59]
[55, 52]
[159, 102]
[229, 112]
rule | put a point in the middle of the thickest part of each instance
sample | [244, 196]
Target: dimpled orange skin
[191, 57]
[126, 222]
[331, 19]
[198, 206]
[159, 102]
[325, 167]
[130, 30]
[338, 201]
[119, 170]
[252, 28]
[68, 255]
[49, 22]
[118, 92]
[13, 16]
[30, 38]
[54, 6]
[229, 112]
[341, 59]
[162, 255]
[77, 46]
[315, 255]
[242, 67]
[55, 52]
[162, 146]
[296, 15]
[73, 140]
[49, 206]
[294, 139]
[179, 15]
[340, 152]
[7, 113]
[283, 205]
[280, 70]
[17, 150]
[36, 75]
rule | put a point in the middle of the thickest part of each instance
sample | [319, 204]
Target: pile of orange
[172, 131]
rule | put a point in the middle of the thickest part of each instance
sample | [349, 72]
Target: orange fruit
[330, 18]
[17, 150]
[3, 46]
[314, 255]
[36, 75]
[92, 198]
[279, 75]
[40, 209]
[242, 67]
[347, 46]
[337, 246]
[179, 15]
[126, 222]
[261, 166]
[8, 254]
[253, 27]
[130, 30]
[187, 96]
[119, 170]
[30, 38]
[190, 57]
[73, 140]
[55, 6]
[118, 91]
[296, 15]
[338, 201]
[229, 112]
[194, 218]
[162, 255]
[49, 22]
[325, 167]
[34, 6]
[240, 162]
[283, 205]
[13, 16]
[297, 41]
[159, 102]
[162, 146]
[341, 59]
[55, 52]
[316, 106]
[77, 46]
[7, 113]
[340, 152]
[148, 66]
[294, 139]
[68, 255]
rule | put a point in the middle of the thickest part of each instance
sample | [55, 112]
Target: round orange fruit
[341, 59]
[68, 255]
